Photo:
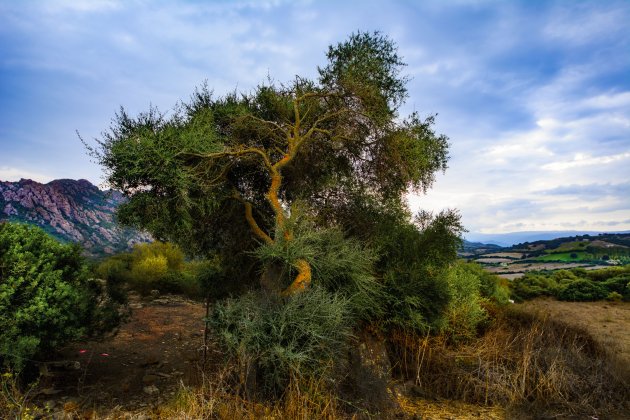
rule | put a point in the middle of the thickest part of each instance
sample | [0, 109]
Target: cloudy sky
[534, 95]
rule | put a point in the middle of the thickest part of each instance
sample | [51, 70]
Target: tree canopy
[223, 174]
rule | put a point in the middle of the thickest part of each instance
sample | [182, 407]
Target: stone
[151, 390]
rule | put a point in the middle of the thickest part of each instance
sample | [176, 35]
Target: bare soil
[143, 365]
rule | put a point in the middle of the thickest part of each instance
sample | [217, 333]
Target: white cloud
[580, 160]
[81, 6]
[15, 174]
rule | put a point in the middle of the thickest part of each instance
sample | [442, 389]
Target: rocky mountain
[71, 211]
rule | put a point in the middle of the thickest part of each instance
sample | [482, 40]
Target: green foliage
[465, 312]
[46, 298]
[619, 285]
[162, 266]
[583, 290]
[614, 297]
[414, 264]
[533, 285]
[574, 285]
[491, 286]
[339, 264]
[276, 339]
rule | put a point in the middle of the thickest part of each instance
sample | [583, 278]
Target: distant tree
[220, 175]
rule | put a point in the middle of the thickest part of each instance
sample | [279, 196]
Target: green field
[574, 246]
[566, 257]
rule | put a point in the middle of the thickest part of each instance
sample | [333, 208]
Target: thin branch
[233, 153]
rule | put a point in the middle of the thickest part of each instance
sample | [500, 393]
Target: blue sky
[534, 95]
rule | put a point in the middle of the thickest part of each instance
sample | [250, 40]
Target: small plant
[14, 401]
[614, 297]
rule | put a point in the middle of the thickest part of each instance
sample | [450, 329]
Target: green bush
[46, 297]
[583, 290]
[614, 297]
[620, 285]
[276, 340]
[161, 266]
[414, 265]
[465, 312]
[533, 285]
[491, 286]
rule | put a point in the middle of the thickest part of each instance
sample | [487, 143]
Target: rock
[151, 390]
[74, 211]
[136, 305]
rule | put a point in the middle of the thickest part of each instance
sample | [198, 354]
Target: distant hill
[602, 243]
[71, 211]
[513, 238]
[474, 248]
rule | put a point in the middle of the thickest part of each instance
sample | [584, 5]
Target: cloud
[581, 160]
[591, 191]
[15, 174]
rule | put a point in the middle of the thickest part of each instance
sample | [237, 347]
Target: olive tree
[221, 174]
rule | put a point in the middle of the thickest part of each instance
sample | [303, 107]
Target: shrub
[277, 340]
[340, 265]
[160, 266]
[619, 285]
[46, 298]
[614, 297]
[491, 286]
[465, 311]
[583, 290]
[414, 265]
[533, 285]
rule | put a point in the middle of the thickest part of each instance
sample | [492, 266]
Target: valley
[590, 252]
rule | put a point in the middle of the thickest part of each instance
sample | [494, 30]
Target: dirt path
[140, 367]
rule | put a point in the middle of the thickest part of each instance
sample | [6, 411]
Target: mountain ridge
[71, 211]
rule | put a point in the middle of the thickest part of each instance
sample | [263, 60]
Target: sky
[533, 95]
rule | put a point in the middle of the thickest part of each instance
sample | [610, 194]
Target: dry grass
[607, 322]
[215, 398]
[525, 363]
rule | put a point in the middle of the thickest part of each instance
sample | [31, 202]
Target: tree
[220, 167]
